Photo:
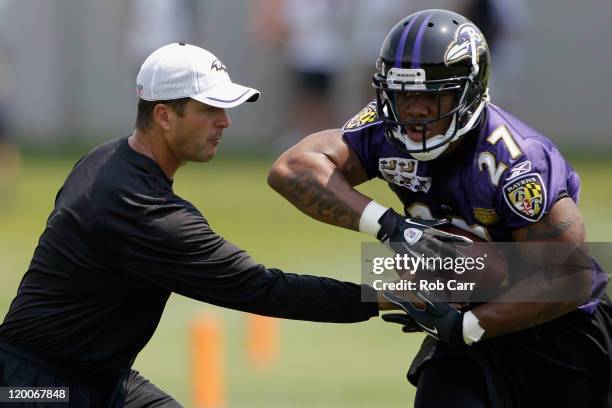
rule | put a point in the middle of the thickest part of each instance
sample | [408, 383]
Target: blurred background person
[153, 23]
[371, 20]
[505, 24]
[313, 36]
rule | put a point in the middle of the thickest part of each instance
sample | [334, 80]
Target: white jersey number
[487, 159]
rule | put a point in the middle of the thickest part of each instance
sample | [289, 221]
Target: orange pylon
[262, 340]
[208, 381]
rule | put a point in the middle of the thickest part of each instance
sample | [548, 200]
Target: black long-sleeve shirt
[118, 242]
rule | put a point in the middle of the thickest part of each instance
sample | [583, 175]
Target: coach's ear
[163, 116]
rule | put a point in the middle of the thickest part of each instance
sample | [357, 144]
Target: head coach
[119, 241]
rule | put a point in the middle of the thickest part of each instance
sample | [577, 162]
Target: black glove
[439, 319]
[418, 237]
[408, 325]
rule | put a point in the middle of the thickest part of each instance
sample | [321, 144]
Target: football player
[448, 152]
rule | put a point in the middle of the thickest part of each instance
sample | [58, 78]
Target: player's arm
[318, 176]
[563, 224]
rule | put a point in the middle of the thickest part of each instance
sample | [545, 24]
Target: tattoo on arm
[307, 193]
[546, 230]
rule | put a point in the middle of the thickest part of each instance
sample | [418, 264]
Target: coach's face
[424, 106]
[198, 132]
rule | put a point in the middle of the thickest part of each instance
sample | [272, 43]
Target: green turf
[319, 365]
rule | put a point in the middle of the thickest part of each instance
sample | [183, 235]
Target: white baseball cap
[180, 70]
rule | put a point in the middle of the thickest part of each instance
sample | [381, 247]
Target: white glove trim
[472, 332]
[368, 222]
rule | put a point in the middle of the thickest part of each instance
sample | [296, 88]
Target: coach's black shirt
[117, 243]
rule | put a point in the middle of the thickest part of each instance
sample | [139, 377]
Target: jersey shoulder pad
[516, 161]
[366, 117]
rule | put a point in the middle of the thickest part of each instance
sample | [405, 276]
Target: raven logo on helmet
[468, 43]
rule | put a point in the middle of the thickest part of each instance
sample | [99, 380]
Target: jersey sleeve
[359, 133]
[176, 250]
[533, 184]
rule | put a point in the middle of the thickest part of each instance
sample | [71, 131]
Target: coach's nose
[223, 120]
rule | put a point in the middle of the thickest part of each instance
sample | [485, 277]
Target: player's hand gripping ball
[417, 237]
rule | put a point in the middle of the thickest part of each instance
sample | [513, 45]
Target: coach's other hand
[438, 319]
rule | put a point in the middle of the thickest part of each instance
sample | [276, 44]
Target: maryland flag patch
[365, 117]
[526, 196]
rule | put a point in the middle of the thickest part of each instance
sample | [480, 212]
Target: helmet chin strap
[434, 140]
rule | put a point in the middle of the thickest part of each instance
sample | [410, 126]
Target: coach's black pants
[21, 368]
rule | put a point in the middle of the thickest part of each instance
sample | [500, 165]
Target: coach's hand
[438, 319]
[418, 237]
[408, 325]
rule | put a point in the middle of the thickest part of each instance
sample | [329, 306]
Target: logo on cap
[217, 65]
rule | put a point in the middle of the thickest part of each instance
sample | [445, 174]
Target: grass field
[319, 365]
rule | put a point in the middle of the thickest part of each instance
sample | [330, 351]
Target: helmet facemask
[469, 100]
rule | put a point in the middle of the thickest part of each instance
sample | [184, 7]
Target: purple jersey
[503, 176]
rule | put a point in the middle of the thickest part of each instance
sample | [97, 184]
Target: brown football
[495, 267]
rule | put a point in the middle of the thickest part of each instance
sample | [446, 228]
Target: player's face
[199, 132]
[424, 106]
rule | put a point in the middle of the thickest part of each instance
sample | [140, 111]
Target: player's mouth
[415, 133]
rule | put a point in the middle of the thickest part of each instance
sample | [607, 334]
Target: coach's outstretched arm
[176, 250]
[318, 176]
